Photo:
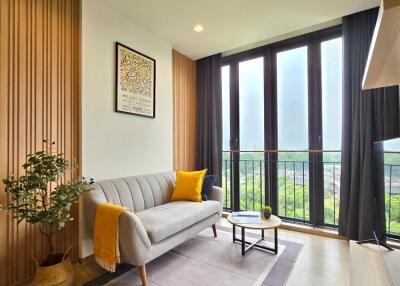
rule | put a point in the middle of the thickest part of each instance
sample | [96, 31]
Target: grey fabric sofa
[156, 225]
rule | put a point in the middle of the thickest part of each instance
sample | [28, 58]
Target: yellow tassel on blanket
[105, 238]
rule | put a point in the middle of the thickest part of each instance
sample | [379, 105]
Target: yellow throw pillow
[188, 186]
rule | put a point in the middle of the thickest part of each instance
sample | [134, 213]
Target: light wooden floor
[322, 261]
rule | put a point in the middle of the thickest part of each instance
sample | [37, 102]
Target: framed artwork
[136, 82]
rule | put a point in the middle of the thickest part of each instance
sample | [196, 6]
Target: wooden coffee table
[273, 222]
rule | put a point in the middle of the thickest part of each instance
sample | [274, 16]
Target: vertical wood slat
[184, 104]
[4, 69]
[39, 99]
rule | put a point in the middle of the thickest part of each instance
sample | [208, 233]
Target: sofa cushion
[188, 186]
[208, 184]
[165, 220]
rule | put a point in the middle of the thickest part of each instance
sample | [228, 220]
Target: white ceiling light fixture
[198, 28]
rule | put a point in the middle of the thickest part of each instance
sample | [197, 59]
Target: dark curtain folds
[368, 116]
[209, 116]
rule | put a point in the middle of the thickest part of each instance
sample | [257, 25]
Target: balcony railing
[297, 175]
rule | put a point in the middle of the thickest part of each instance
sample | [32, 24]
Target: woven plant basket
[60, 274]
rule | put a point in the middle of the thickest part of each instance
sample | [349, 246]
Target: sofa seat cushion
[165, 220]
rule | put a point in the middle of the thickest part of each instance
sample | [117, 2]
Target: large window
[291, 69]
[251, 131]
[292, 97]
[284, 127]
[392, 186]
[225, 108]
[331, 78]
[251, 105]
[331, 74]
[226, 156]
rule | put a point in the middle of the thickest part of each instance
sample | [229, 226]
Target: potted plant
[42, 196]
[267, 211]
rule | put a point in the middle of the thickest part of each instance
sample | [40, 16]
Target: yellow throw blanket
[105, 238]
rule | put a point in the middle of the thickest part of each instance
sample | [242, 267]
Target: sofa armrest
[217, 194]
[133, 239]
[91, 201]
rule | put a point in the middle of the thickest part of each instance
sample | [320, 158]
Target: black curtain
[209, 116]
[368, 116]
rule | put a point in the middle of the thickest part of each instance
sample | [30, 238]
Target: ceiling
[231, 24]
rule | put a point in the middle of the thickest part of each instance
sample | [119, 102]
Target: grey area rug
[208, 261]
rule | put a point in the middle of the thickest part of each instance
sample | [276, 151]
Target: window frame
[313, 42]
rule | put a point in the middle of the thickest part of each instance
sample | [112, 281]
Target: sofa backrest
[137, 193]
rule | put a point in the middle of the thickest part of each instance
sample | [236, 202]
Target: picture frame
[135, 82]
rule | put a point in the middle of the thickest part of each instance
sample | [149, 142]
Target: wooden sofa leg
[214, 230]
[143, 275]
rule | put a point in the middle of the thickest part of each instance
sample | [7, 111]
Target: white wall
[116, 144]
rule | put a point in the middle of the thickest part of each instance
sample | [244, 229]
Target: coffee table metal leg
[243, 242]
[255, 244]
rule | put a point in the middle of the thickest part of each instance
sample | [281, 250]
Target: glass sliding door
[292, 105]
[331, 83]
[251, 133]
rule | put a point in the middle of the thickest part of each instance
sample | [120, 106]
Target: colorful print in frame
[136, 82]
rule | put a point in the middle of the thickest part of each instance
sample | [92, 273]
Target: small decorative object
[136, 82]
[44, 196]
[267, 211]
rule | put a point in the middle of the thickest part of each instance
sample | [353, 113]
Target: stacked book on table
[246, 217]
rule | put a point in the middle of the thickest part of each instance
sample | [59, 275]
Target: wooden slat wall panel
[39, 99]
[184, 88]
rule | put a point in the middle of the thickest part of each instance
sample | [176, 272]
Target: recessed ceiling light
[198, 28]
